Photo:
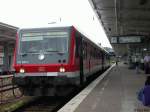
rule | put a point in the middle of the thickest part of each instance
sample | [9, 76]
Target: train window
[31, 46]
[53, 41]
[77, 47]
[84, 50]
[78, 44]
[56, 44]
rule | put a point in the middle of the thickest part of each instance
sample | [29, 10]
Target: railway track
[8, 91]
[43, 104]
[7, 87]
[51, 104]
[9, 94]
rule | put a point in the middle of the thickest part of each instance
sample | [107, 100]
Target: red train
[49, 59]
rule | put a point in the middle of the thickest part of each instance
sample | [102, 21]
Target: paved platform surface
[117, 92]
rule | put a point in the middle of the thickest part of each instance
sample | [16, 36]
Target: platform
[117, 92]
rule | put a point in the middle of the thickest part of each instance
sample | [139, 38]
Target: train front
[42, 60]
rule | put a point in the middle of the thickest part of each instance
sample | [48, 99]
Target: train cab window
[31, 46]
[56, 45]
[52, 41]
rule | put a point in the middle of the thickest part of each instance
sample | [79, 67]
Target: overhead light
[144, 49]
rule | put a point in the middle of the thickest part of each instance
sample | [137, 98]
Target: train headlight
[41, 56]
[22, 70]
[62, 69]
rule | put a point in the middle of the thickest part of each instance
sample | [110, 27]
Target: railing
[8, 91]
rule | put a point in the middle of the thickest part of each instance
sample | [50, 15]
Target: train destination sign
[36, 36]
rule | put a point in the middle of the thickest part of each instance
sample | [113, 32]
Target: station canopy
[121, 18]
[7, 33]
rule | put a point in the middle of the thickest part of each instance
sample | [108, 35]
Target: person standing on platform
[117, 61]
[147, 64]
[137, 63]
[142, 63]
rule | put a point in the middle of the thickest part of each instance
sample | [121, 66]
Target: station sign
[125, 39]
[130, 39]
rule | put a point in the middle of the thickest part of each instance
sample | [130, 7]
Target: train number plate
[52, 74]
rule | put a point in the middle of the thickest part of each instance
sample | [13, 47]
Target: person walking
[147, 64]
[117, 61]
[137, 63]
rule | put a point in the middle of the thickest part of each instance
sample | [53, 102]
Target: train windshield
[48, 42]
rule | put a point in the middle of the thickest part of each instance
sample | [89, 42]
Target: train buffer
[117, 92]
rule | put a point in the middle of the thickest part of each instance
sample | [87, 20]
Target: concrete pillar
[6, 57]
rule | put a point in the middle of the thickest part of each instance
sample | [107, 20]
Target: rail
[8, 91]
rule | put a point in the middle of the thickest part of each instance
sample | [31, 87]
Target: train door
[85, 59]
[89, 50]
[81, 63]
[79, 55]
[103, 60]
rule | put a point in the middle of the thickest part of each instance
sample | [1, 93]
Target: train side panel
[91, 55]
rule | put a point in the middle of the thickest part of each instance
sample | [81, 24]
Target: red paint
[72, 47]
[45, 67]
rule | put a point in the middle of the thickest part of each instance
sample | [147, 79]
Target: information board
[129, 39]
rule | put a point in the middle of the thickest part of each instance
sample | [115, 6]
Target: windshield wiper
[51, 51]
[35, 51]
[59, 52]
[28, 52]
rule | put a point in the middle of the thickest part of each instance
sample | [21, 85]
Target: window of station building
[10, 55]
[1, 55]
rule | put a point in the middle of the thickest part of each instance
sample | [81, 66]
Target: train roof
[39, 28]
[96, 45]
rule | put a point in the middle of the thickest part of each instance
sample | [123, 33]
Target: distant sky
[39, 13]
